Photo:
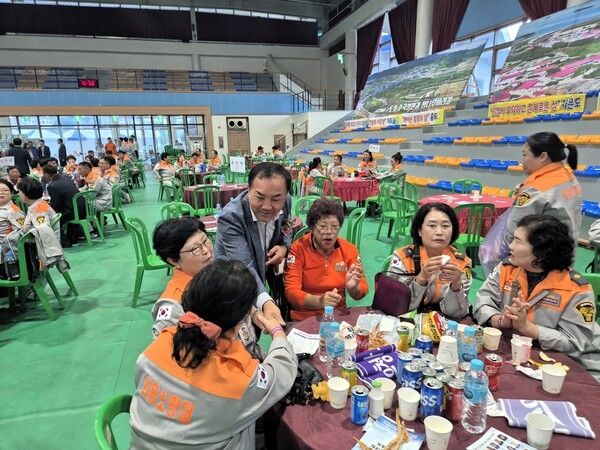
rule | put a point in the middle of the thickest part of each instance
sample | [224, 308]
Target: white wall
[45, 51]
[318, 120]
[262, 129]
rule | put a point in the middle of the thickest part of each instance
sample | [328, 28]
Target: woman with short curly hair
[535, 293]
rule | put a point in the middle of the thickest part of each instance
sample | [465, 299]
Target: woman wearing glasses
[321, 267]
[184, 244]
[11, 217]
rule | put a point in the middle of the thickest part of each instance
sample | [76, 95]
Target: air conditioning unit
[237, 123]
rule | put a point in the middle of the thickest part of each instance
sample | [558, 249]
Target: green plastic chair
[171, 192]
[355, 223]
[301, 232]
[104, 417]
[472, 239]
[375, 200]
[146, 260]
[295, 173]
[117, 207]
[320, 184]
[208, 193]
[187, 177]
[208, 179]
[175, 210]
[89, 217]
[594, 280]
[127, 185]
[142, 176]
[410, 191]
[400, 212]
[303, 204]
[24, 281]
[466, 186]
[385, 265]
[177, 184]
[20, 203]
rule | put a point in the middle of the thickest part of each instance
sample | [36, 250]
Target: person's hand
[431, 267]
[330, 298]
[517, 313]
[266, 324]
[353, 276]
[452, 272]
[276, 255]
[271, 311]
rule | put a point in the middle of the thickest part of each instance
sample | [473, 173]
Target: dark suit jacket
[44, 151]
[62, 155]
[22, 159]
[61, 191]
[238, 236]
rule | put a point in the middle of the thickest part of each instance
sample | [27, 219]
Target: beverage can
[478, 337]
[432, 398]
[362, 340]
[428, 372]
[450, 371]
[460, 376]
[445, 379]
[424, 343]
[412, 376]
[359, 405]
[429, 357]
[420, 363]
[454, 400]
[349, 372]
[464, 366]
[436, 366]
[404, 358]
[415, 352]
[492, 367]
[403, 337]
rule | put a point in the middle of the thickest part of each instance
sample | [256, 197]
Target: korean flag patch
[263, 378]
[164, 312]
[291, 259]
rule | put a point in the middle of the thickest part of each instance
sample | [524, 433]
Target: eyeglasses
[5, 191]
[324, 228]
[196, 250]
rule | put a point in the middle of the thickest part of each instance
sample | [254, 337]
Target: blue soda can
[202, 167]
[359, 405]
[420, 363]
[412, 376]
[436, 366]
[415, 352]
[432, 398]
[404, 358]
[424, 343]
[429, 357]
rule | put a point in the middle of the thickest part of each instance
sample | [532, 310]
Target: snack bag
[433, 325]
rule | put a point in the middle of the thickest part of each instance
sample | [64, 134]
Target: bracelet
[500, 320]
[275, 330]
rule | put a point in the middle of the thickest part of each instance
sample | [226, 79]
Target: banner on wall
[355, 123]
[554, 104]
[435, 117]
[383, 121]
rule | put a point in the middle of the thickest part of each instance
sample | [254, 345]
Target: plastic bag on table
[494, 248]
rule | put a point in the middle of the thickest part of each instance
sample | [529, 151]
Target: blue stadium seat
[453, 124]
[476, 121]
[481, 105]
[533, 119]
[409, 158]
[589, 172]
[588, 204]
[464, 122]
[443, 185]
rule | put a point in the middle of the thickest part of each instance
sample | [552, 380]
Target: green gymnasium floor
[55, 375]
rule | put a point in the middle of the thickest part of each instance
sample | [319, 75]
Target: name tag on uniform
[341, 267]
[244, 334]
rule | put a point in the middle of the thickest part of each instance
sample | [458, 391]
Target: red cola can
[492, 364]
[454, 400]
[362, 340]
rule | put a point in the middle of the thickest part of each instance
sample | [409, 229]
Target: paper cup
[520, 351]
[437, 431]
[491, 338]
[388, 387]
[447, 354]
[338, 392]
[553, 378]
[476, 195]
[408, 402]
[349, 348]
[539, 430]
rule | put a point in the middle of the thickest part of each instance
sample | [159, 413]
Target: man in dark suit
[61, 191]
[62, 153]
[43, 149]
[250, 229]
[22, 157]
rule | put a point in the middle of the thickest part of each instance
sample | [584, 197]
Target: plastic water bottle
[221, 179]
[468, 346]
[376, 400]
[218, 211]
[11, 266]
[474, 414]
[324, 329]
[335, 351]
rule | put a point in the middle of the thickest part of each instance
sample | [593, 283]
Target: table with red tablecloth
[199, 176]
[226, 193]
[501, 204]
[318, 426]
[349, 189]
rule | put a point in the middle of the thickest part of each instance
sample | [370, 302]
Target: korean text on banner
[433, 117]
[555, 104]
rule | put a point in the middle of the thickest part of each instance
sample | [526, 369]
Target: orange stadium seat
[518, 168]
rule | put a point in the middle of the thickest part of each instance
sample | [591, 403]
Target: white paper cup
[338, 392]
[491, 338]
[349, 348]
[476, 195]
[408, 402]
[520, 351]
[447, 354]
[553, 378]
[437, 431]
[539, 430]
[388, 387]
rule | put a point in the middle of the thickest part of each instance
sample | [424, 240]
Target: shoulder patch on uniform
[21, 221]
[291, 259]
[587, 310]
[41, 219]
[506, 261]
[578, 278]
[164, 312]
[395, 262]
[408, 251]
[522, 199]
[262, 381]
[459, 255]
[467, 272]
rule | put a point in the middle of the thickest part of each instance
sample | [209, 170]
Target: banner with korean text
[435, 117]
[553, 104]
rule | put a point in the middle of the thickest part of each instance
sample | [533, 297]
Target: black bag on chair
[301, 392]
[392, 296]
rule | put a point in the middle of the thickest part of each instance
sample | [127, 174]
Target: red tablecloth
[320, 427]
[227, 192]
[349, 189]
[199, 176]
[501, 204]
